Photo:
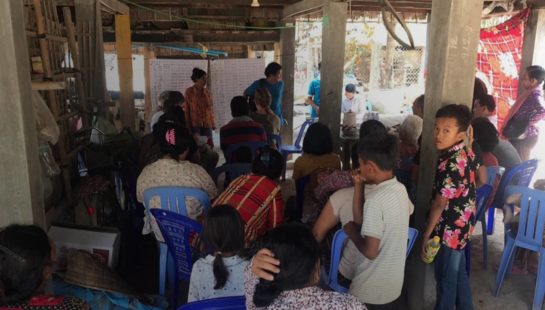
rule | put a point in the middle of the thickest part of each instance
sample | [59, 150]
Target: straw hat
[84, 269]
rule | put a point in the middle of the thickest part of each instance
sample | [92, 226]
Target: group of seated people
[258, 249]
[250, 214]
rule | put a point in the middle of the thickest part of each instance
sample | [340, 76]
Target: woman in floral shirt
[453, 207]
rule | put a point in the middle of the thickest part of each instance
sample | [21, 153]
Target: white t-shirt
[201, 285]
[386, 217]
[341, 202]
[352, 105]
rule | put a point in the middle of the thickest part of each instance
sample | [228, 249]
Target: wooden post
[21, 196]
[148, 54]
[287, 59]
[452, 48]
[332, 72]
[124, 66]
[73, 46]
[533, 46]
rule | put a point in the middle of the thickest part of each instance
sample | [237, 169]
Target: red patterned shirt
[455, 181]
[258, 200]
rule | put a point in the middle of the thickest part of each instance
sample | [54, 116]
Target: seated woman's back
[26, 258]
[317, 152]
[257, 197]
[173, 169]
[294, 287]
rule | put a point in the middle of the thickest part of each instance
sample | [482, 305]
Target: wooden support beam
[115, 7]
[453, 38]
[303, 7]
[200, 36]
[533, 46]
[332, 71]
[286, 55]
[48, 85]
[21, 189]
[148, 55]
[124, 65]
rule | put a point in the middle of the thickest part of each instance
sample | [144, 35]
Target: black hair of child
[299, 254]
[459, 112]
[318, 140]
[223, 232]
[380, 148]
[269, 162]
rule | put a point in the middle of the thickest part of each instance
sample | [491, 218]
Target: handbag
[516, 128]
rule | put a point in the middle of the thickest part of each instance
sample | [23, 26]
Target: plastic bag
[46, 124]
[102, 132]
[51, 168]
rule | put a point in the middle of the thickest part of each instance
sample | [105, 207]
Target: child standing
[220, 274]
[453, 207]
[380, 228]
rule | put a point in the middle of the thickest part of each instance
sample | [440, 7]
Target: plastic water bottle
[432, 247]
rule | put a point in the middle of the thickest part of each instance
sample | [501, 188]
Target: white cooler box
[102, 242]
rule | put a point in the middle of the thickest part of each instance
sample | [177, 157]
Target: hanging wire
[203, 22]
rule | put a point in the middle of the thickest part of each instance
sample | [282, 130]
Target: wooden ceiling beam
[115, 6]
[246, 3]
[302, 7]
[200, 36]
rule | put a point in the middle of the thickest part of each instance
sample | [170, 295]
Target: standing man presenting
[313, 98]
[274, 84]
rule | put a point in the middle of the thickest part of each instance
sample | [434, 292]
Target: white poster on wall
[172, 74]
[230, 77]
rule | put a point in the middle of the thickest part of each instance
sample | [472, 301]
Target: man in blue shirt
[313, 98]
[274, 84]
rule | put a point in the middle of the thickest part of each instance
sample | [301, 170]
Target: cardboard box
[102, 242]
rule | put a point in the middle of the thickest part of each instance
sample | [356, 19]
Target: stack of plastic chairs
[529, 236]
[172, 199]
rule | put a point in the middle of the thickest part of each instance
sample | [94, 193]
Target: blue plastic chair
[296, 148]
[231, 172]
[223, 303]
[529, 236]
[300, 185]
[336, 253]
[276, 139]
[253, 146]
[483, 193]
[177, 230]
[172, 198]
[520, 175]
[413, 234]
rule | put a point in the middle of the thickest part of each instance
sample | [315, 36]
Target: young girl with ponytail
[220, 274]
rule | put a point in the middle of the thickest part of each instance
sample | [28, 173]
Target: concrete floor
[517, 291]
